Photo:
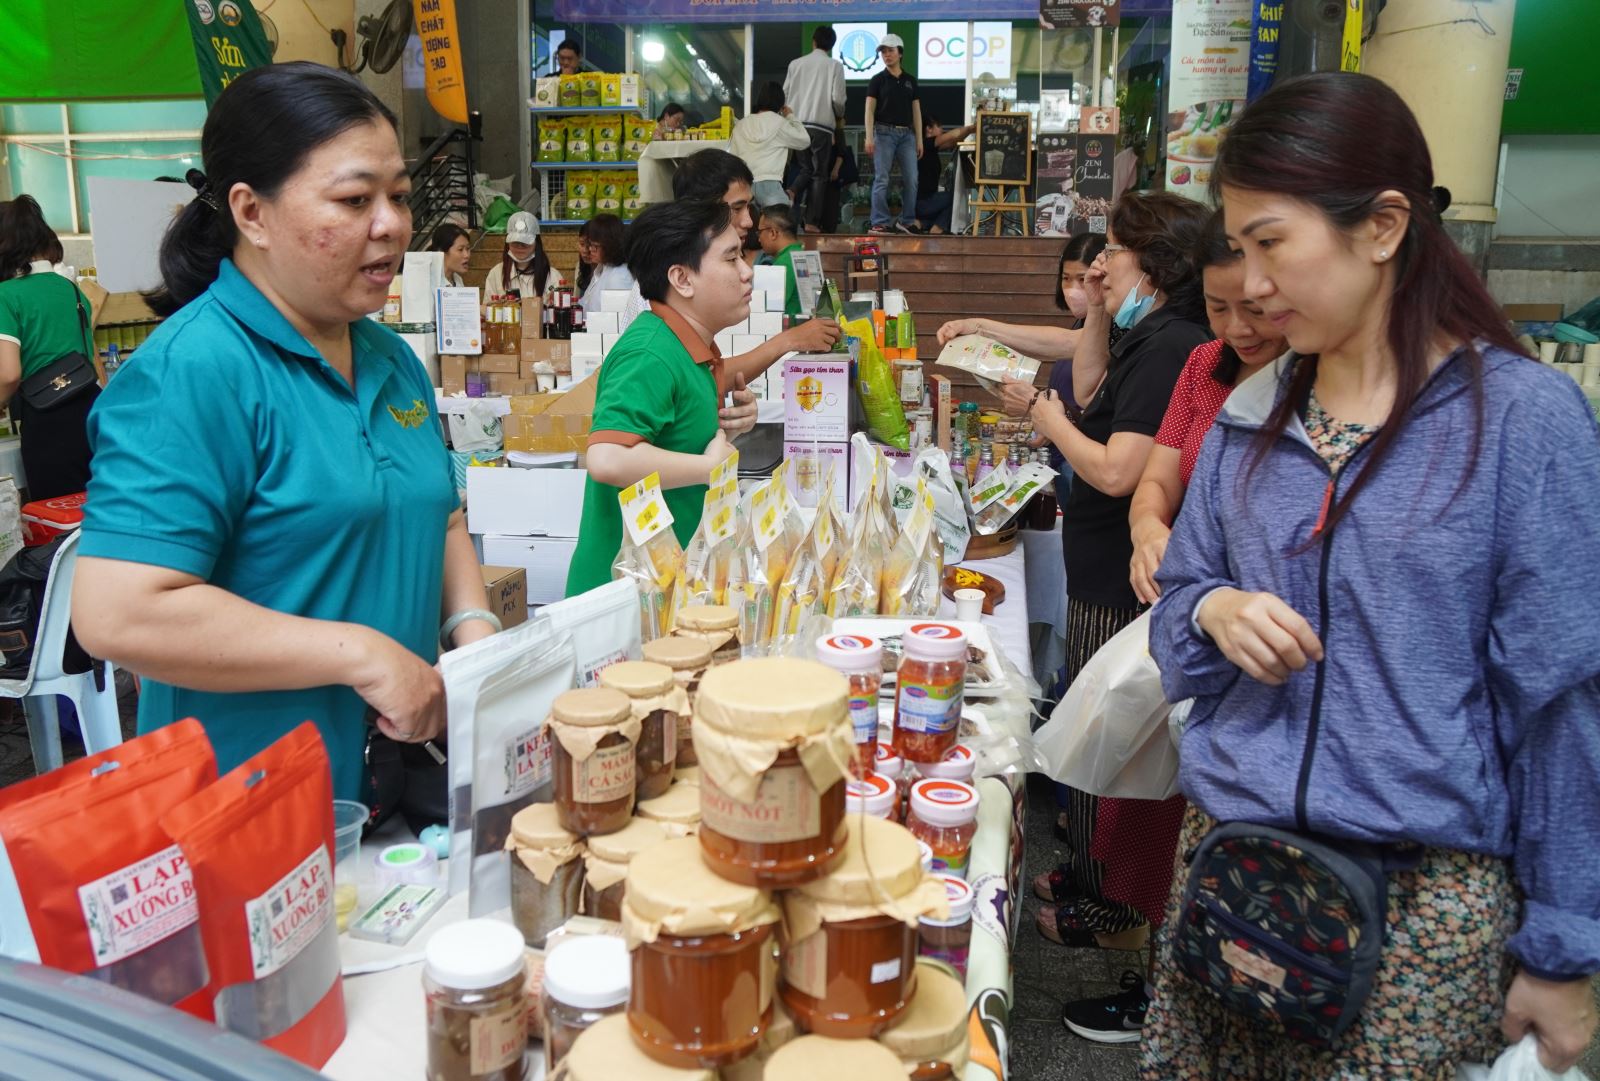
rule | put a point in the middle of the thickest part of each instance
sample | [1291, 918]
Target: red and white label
[528, 761]
[786, 808]
[285, 919]
[138, 906]
[606, 775]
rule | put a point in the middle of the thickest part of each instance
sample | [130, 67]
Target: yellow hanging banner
[1350, 54]
[441, 58]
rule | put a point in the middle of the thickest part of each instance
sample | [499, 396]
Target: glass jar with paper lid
[715, 624]
[702, 960]
[605, 865]
[593, 736]
[930, 1037]
[604, 1052]
[688, 658]
[546, 872]
[658, 703]
[774, 741]
[678, 810]
[780, 1030]
[815, 1058]
[849, 959]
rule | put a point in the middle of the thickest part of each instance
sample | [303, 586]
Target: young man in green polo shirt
[661, 388]
[778, 240]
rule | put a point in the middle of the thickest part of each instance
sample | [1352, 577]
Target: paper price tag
[726, 471]
[766, 509]
[644, 509]
[921, 517]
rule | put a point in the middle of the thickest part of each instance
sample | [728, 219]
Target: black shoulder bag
[62, 380]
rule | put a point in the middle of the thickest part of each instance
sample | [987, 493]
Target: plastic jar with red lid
[950, 939]
[859, 658]
[874, 795]
[931, 683]
[945, 814]
[958, 764]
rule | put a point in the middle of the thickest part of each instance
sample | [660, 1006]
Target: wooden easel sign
[1004, 169]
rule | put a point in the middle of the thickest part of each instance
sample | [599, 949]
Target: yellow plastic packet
[610, 91]
[650, 556]
[880, 397]
[803, 593]
[709, 559]
[914, 573]
[854, 590]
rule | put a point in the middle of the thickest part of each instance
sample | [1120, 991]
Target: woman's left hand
[1559, 1013]
[1016, 396]
[1048, 412]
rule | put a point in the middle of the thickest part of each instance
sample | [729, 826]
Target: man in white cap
[524, 270]
[894, 134]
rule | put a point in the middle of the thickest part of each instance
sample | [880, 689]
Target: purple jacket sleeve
[1544, 675]
[1195, 564]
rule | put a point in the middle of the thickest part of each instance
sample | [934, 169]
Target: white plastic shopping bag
[1108, 736]
[1520, 1062]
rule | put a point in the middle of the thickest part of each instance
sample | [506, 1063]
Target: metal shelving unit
[551, 175]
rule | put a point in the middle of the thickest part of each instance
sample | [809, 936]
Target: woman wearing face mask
[456, 244]
[1389, 631]
[524, 270]
[272, 533]
[1246, 341]
[1145, 282]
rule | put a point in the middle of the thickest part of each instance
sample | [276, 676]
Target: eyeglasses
[1112, 249]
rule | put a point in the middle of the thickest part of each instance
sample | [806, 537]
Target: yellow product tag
[725, 471]
[644, 509]
[766, 511]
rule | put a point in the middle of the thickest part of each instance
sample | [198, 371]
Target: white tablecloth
[1009, 624]
[660, 160]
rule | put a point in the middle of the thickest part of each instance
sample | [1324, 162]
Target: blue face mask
[1134, 307]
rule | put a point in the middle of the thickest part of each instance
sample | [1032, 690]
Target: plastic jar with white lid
[930, 689]
[474, 976]
[585, 979]
[892, 766]
[949, 939]
[958, 764]
[945, 814]
[859, 658]
[873, 794]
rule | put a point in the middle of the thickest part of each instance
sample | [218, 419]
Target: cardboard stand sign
[1004, 170]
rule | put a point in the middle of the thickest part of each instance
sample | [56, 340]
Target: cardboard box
[939, 395]
[615, 300]
[508, 594]
[555, 352]
[524, 503]
[497, 363]
[812, 464]
[724, 342]
[758, 300]
[532, 317]
[603, 322]
[582, 368]
[588, 343]
[768, 324]
[607, 343]
[551, 422]
[452, 370]
[816, 391]
[741, 327]
[770, 280]
[543, 560]
[744, 343]
[511, 384]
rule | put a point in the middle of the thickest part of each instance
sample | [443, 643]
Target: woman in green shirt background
[43, 317]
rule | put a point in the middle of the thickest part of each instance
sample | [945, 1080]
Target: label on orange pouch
[786, 808]
[805, 965]
[607, 774]
[496, 1041]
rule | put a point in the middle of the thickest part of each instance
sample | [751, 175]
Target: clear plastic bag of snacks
[855, 587]
[1025, 484]
[650, 556]
[914, 572]
[803, 593]
[709, 559]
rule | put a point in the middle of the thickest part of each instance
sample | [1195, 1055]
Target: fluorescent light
[652, 51]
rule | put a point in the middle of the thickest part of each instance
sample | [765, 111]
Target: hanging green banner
[228, 41]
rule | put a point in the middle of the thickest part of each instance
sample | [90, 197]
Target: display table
[1047, 601]
[660, 160]
[500, 405]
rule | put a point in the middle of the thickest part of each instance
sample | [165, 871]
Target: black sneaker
[1114, 1018]
[913, 229]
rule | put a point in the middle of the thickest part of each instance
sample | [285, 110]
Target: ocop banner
[443, 74]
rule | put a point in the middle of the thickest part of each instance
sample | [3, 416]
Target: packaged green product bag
[580, 135]
[880, 400]
[589, 89]
[580, 195]
[631, 203]
[636, 134]
[607, 138]
[904, 332]
[610, 91]
[552, 139]
[570, 91]
[608, 193]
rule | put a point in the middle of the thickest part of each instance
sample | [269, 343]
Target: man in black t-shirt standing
[894, 123]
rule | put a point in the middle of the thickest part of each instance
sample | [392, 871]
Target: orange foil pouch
[91, 883]
[260, 846]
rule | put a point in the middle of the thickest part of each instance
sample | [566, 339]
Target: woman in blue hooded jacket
[1379, 595]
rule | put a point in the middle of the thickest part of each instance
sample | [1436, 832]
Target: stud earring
[1382, 255]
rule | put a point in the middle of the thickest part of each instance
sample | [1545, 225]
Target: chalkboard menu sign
[1005, 148]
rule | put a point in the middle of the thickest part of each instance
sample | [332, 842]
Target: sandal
[1054, 886]
[1062, 925]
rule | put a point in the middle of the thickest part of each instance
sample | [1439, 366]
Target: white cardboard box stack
[528, 518]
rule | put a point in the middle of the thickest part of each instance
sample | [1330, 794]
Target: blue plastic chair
[96, 705]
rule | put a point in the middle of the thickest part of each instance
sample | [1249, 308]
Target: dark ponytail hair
[24, 237]
[1162, 230]
[1338, 141]
[259, 132]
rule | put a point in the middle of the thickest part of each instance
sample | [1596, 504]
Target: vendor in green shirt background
[43, 318]
[657, 402]
[780, 242]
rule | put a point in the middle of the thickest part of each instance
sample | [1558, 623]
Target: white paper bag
[1520, 1062]
[423, 272]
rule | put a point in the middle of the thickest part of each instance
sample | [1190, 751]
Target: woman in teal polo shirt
[272, 533]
